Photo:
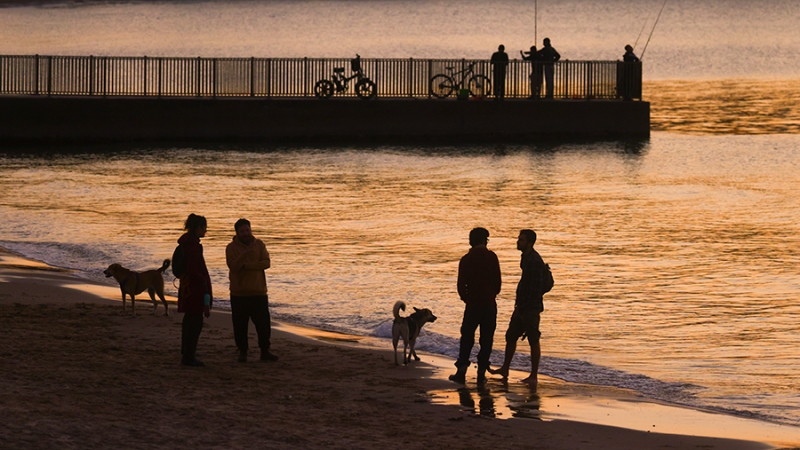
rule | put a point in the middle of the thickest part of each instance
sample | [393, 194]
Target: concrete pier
[62, 119]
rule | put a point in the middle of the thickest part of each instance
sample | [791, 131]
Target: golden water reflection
[730, 106]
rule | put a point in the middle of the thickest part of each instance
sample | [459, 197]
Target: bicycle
[365, 88]
[442, 85]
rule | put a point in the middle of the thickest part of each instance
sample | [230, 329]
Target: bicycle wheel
[479, 86]
[323, 89]
[442, 85]
[366, 89]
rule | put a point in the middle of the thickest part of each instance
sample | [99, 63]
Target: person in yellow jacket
[247, 259]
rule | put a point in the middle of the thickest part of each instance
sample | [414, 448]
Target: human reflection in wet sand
[486, 406]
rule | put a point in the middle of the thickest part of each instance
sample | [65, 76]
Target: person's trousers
[549, 71]
[190, 334]
[246, 308]
[485, 317]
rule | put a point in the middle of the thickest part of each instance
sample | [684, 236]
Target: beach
[77, 373]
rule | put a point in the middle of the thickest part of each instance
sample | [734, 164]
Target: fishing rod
[641, 31]
[654, 29]
[535, 22]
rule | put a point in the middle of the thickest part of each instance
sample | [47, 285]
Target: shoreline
[562, 415]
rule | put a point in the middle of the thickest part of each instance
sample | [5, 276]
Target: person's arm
[263, 261]
[236, 262]
[495, 276]
[556, 55]
[461, 284]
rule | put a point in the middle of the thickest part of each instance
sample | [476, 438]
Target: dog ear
[416, 309]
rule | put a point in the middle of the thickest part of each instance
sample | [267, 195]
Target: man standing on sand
[527, 308]
[247, 259]
[478, 285]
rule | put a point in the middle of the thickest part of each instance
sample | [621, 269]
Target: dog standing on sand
[133, 283]
[408, 328]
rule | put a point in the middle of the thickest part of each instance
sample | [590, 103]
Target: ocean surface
[675, 258]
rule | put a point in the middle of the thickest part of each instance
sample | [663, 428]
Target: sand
[76, 373]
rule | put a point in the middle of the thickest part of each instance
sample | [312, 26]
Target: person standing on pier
[499, 62]
[628, 82]
[478, 285]
[527, 308]
[536, 71]
[247, 259]
[548, 56]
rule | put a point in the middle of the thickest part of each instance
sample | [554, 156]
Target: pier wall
[30, 119]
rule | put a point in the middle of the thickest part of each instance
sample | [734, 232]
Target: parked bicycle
[442, 85]
[365, 88]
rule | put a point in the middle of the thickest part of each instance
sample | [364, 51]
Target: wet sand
[76, 373]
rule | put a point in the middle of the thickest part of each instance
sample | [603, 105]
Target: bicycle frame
[465, 73]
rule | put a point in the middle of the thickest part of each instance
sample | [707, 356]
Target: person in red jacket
[478, 285]
[194, 294]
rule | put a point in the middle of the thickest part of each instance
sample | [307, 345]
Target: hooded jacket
[247, 264]
[196, 282]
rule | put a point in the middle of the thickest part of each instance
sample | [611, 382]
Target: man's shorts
[523, 322]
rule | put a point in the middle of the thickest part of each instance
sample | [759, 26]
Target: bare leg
[536, 354]
[511, 348]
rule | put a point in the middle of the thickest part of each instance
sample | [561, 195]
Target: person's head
[546, 42]
[243, 231]
[196, 225]
[501, 48]
[533, 49]
[478, 236]
[526, 240]
[628, 48]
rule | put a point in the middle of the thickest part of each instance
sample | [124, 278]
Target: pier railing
[296, 77]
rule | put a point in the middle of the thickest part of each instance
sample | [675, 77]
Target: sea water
[675, 258]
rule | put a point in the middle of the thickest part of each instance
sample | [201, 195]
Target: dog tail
[397, 307]
[164, 266]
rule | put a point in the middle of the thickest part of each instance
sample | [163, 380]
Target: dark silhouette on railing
[296, 77]
[442, 85]
[365, 88]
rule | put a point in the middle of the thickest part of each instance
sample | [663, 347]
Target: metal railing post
[214, 77]
[49, 76]
[91, 75]
[199, 62]
[144, 90]
[160, 63]
[36, 74]
[252, 76]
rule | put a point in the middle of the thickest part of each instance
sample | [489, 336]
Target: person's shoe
[267, 356]
[193, 363]
[242, 356]
[458, 377]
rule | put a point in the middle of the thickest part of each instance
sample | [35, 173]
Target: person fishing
[536, 71]
[548, 56]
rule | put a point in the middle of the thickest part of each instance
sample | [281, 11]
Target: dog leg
[152, 294]
[133, 306]
[124, 308]
[164, 301]
[394, 344]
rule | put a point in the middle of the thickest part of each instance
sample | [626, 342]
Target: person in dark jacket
[478, 285]
[548, 57]
[194, 294]
[536, 71]
[499, 62]
[527, 308]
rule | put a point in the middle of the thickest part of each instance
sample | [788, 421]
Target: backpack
[178, 262]
[547, 278]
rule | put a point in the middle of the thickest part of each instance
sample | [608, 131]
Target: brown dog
[133, 283]
[408, 328]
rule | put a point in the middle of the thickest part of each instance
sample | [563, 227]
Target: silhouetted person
[499, 62]
[536, 71]
[628, 78]
[527, 308]
[629, 56]
[548, 56]
[194, 292]
[247, 259]
[478, 285]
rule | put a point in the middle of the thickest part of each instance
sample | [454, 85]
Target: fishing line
[654, 29]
